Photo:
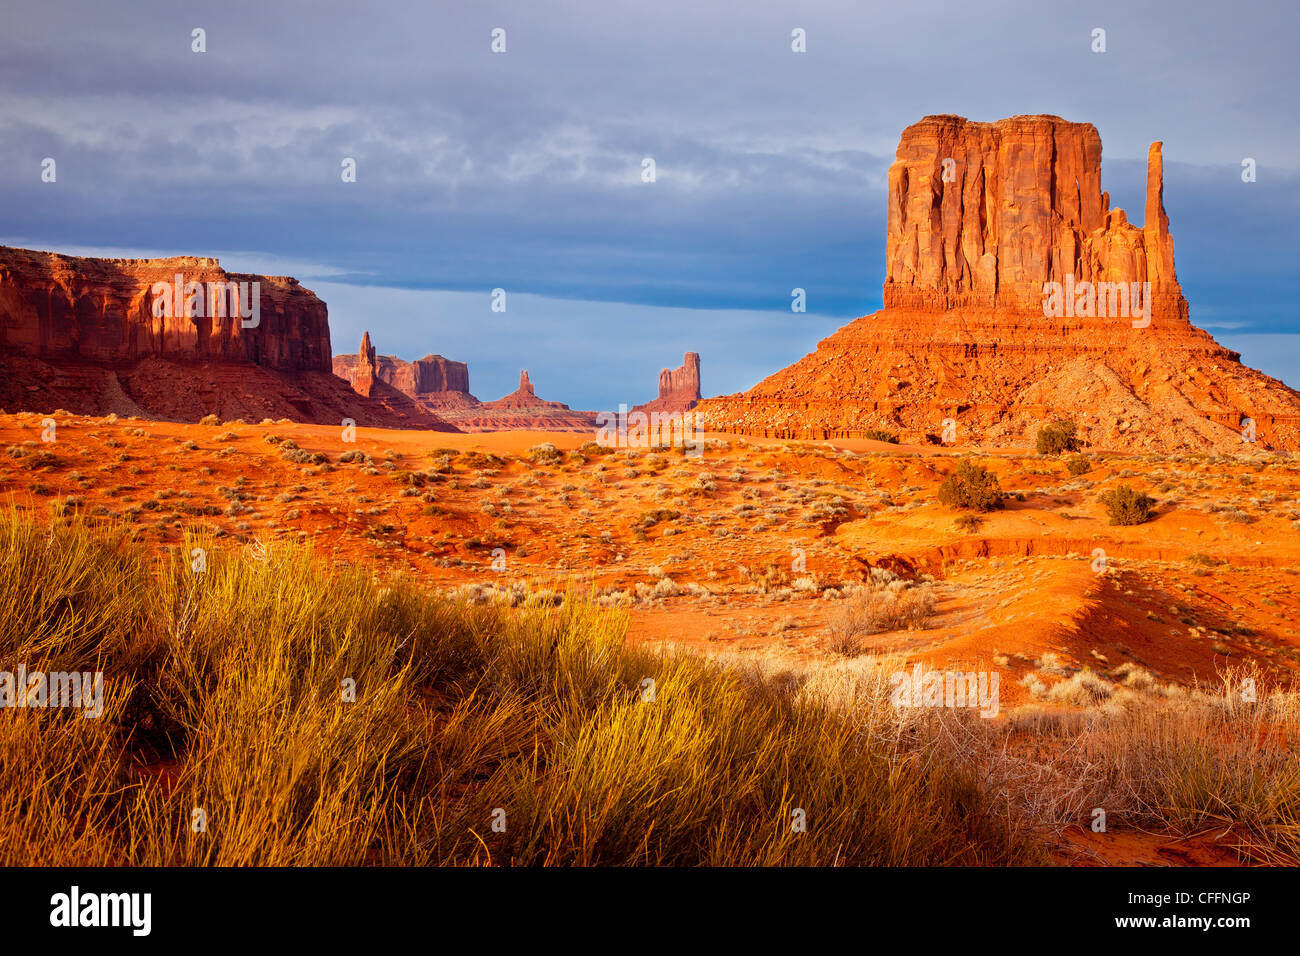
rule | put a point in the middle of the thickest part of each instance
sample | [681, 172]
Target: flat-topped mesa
[983, 214]
[177, 339]
[679, 388]
[433, 373]
[102, 311]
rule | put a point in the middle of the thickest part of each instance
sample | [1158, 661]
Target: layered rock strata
[679, 388]
[1015, 295]
[172, 339]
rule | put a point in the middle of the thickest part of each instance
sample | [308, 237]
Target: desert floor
[743, 551]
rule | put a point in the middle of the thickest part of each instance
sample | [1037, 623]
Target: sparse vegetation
[459, 709]
[971, 486]
[1126, 506]
[1057, 438]
[544, 454]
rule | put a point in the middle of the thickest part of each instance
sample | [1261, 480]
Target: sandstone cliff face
[963, 334]
[81, 334]
[982, 214]
[679, 388]
[100, 311]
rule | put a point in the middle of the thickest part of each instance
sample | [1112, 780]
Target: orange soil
[1023, 583]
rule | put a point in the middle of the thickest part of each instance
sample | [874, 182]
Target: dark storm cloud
[522, 170]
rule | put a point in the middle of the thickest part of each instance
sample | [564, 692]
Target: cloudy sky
[522, 170]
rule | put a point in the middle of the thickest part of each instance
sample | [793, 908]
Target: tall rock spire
[368, 369]
[1155, 230]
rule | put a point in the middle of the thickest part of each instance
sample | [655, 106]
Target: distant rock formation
[367, 372]
[992, 228]
[83, 334]
[441, 386]
[679, 388]
[427, 379]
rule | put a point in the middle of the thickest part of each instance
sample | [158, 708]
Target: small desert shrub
[655, 515]
[876, 609]
[879, 434]
[968, 522]
[301, 456]
[212, 420]
[1126, 506]
[970, 486]
[1081, 690]
[1077, 465]
[544, 454]
[1057, 438]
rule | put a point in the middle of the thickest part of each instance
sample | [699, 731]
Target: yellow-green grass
[225, 693]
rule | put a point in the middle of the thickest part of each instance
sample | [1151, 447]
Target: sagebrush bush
[1126, 505]
[1056, 438]
[970, 486]
[879, 434]
[1077, 465]
[544, 454]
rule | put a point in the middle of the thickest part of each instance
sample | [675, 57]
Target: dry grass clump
[544, 454]
[885, 603]
[317, 716]
[1165, 757]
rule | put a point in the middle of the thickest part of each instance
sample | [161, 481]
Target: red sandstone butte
[80, 334]
[441, 386]
[980, 217]
[679, 388]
